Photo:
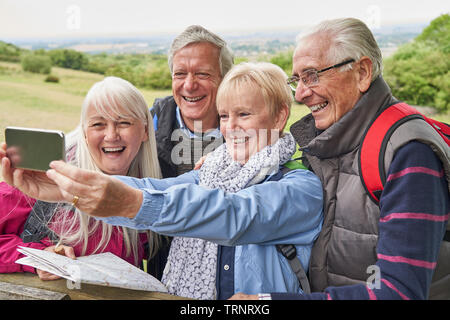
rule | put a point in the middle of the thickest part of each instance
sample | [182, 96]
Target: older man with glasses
[393, 249]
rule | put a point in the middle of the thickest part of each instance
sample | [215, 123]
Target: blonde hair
[111, 98]
[270, 79]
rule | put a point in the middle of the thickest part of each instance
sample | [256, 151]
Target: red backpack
[373, 148]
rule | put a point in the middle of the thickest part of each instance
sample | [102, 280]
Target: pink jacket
[14, 210]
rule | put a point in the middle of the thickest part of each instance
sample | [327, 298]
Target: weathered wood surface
[86, 292]
[9, 291]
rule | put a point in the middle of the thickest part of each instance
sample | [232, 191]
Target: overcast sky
[72, 18]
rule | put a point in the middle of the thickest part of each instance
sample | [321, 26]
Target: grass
[26, 100]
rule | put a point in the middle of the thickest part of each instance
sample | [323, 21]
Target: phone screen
[34, 149]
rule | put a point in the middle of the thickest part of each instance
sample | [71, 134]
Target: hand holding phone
[31, 182]
[34, 149]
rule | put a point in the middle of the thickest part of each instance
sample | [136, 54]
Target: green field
[26, 100]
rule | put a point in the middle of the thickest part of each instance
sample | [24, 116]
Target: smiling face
[337, 91]
[113, 144]
[247, 123]
[195, 80]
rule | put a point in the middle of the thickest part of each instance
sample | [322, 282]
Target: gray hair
[194, 34]
[112, 97]
[115, 97]
[349, 38]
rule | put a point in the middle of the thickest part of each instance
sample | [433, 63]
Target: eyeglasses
[311, 77]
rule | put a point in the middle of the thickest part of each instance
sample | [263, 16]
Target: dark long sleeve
[414, 212]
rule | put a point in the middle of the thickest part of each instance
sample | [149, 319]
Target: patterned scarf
[191, 265]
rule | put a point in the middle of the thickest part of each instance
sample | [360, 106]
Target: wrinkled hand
[200, 162]
[99, 194]
[243, 296]
[63, 250]
[33, 183]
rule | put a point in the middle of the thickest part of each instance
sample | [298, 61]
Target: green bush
[68, 58]
[418, 73]
[438, 32]
[97, 63]
[146, 71]
[36, 63]
[10, 52]
[283, 60]
[52, 78]
[156, 77]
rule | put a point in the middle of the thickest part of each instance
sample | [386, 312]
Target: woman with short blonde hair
[266, 77]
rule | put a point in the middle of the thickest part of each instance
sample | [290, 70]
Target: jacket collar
[346, 134]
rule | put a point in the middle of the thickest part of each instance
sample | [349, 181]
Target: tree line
[143, 70]
[419, 71]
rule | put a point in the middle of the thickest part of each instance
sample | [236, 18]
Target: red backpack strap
[441, 128]
[373, 146]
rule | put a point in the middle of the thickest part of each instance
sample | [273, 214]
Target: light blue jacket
[255, 219]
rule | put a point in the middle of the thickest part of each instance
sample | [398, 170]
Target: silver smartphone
[34, 149]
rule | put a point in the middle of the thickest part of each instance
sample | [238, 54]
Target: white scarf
[191, 265]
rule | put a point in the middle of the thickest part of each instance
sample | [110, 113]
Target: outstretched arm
[95, 193]
[288, 210]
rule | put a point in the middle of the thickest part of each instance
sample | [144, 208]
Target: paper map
[105, 269]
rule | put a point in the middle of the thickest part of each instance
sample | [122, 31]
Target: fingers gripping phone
[34, 149]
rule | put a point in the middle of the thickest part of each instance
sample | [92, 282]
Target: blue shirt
[254, 220]
[212, 132]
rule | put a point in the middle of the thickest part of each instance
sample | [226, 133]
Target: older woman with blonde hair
[228, 217]
[115, 136]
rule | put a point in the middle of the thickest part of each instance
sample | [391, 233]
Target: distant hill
[142, 60]
[243, 43]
